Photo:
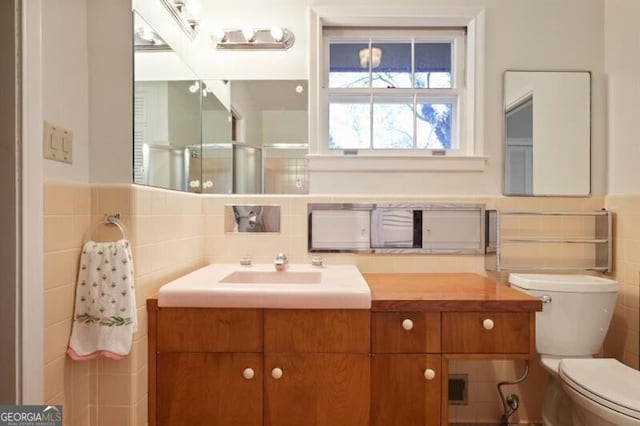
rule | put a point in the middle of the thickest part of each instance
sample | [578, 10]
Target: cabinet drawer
[487, 332]
[405, 332]
[330, 330]
[209, 330]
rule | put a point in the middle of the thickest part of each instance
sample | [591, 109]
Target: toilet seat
[605, 381]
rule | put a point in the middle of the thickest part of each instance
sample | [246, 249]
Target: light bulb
[194, 87]
[193, 7]
[277, 33]
[219, 34]
[146, 34]
[299, 88]
[249, 34]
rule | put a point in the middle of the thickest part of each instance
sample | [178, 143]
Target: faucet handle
[280, 262]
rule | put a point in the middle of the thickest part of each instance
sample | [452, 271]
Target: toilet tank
[576, 314]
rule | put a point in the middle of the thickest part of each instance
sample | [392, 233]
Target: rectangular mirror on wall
[197, 131]
[547, 127]
[167, 105]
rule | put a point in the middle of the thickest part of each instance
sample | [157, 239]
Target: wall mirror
[166, 112]
[547, 128]
[214, 136]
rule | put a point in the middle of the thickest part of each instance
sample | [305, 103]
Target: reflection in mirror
[272, 115]
[214, 136]
[166, 113]
[256, 142]
[252, 218]
[547, 133]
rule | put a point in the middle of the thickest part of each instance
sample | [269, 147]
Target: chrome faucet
[280, 262]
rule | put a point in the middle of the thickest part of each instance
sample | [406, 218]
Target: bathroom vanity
[381, 366]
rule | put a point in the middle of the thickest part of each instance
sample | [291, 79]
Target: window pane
[345, 68]
[433, 125]
[350, 124]
[390, 64]
[433, 65]
[393, 123]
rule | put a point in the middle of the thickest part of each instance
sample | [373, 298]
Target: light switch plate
[57, 143]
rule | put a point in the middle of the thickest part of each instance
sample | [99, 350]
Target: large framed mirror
[214, 136]
[547, 128]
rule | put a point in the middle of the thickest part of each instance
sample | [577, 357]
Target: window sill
[377, 163]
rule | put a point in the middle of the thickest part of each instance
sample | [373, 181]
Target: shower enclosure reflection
[236, 168]
[214, 136]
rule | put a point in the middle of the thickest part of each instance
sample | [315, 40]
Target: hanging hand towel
[105, 311]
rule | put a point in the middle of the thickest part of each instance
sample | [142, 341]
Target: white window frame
[457, 91]
[471, 120]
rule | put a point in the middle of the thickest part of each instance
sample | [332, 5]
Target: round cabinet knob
[276, 373]
[407, 324]
[429, 374]
[248, 373]
[488, 324]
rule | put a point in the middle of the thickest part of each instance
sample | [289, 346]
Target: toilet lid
[612, 383]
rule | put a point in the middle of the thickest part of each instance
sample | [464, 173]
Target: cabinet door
[316, 389]
[401, 393]
[209, 389]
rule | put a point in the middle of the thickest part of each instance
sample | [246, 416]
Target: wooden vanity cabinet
[250, 367]
[387, 366]
[406, 368]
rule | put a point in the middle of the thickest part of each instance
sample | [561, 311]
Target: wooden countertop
[445, 292]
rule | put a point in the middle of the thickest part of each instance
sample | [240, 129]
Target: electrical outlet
[458, 391]
[57, 143]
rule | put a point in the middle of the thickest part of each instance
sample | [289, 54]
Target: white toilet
[577, 310]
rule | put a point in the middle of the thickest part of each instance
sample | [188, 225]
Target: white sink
[261, 286]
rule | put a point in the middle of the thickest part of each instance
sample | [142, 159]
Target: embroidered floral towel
[104, 318]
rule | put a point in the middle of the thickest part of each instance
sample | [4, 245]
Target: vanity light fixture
[183, 11]
[275, 38]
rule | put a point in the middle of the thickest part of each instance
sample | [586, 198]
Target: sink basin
[261, 286]
[264, 277]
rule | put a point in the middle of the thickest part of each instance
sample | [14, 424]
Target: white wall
[110, 89]
[571, 38]
[622, 65]
[87, 86]
[65, 81]
[250, 125]
[161, 66]
[285, 127]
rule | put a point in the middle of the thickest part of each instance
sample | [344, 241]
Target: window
[391, 90]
